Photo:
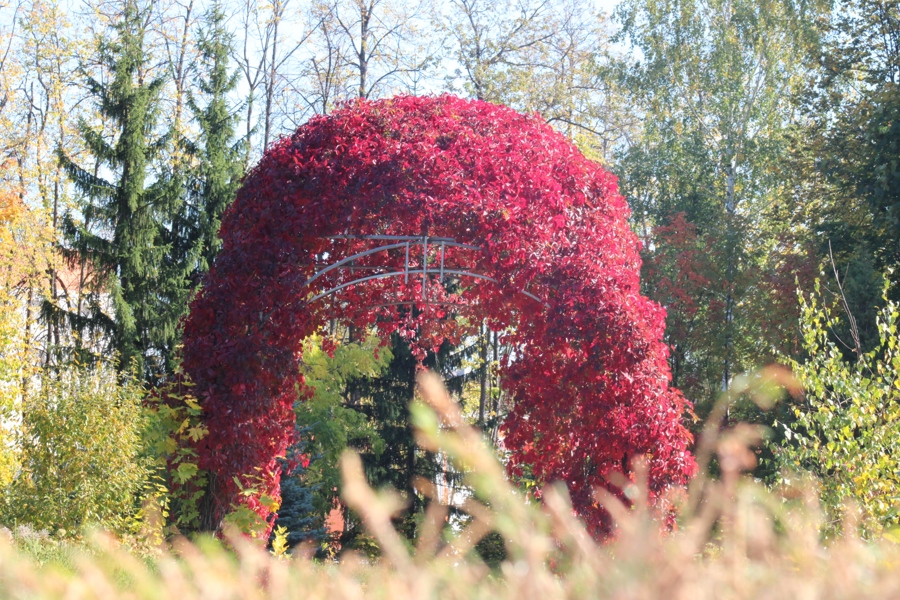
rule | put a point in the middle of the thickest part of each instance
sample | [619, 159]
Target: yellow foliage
[26, 254]
[10, 207]
[83, 461]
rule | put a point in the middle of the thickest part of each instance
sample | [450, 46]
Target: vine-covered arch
[543, 226]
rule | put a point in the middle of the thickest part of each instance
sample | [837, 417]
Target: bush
[847, 428]
[80, 453]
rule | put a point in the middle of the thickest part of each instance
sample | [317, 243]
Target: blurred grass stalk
[735, 539]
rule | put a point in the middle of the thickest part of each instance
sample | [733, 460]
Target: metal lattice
[410, 244]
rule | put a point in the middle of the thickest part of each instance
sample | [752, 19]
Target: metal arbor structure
[404, 243]
[358, 216]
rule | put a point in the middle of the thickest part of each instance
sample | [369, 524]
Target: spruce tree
[221, 157]
[297, 512]
[204, 177]
[401, 461]
[118, 235]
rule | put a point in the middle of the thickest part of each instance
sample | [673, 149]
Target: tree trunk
[363, 57]
[212, 513]
[482, 398]
[730, 257]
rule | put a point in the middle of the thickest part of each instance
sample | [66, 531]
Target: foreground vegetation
[733, 538]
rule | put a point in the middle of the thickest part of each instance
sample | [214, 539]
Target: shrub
[80, 453]
[847, 428]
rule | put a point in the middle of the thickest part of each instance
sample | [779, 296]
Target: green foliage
[298, 518]
[220, 157]
[44, 549]
[360, 401]
[401, 463]
[492, 550]
[845, 153]
[856, 111]
[847, 429]
[81, 453]
[714, 80]
[333, 415]
[25, 258]
[203, 177]
[714, 84]
[174, 428]
[244, 519]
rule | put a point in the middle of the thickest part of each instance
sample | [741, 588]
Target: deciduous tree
[714, 85]
[849, 151]
[81, 457]
[848, 421]
[540, 56]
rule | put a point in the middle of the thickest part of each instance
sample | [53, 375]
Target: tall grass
[734, 539]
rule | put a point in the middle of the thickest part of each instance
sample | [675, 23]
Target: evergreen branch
[88, 183]
[96, 144]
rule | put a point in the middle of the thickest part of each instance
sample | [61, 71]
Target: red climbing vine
[590, 377]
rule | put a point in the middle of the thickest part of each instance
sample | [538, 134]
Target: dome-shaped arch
[542, 224]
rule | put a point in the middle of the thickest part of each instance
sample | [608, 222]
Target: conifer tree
[204, 175]
[118, 233]
[401, 462]
[297, 513]
[221, 158]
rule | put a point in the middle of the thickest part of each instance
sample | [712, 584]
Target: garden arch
[541, 226]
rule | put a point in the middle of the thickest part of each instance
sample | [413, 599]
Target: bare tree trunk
[180, 67]
[482, 397]
[251, 73]
[249, 132]
[731, 257]
[212, 509]
[277, 12]
[26, 384]
[364, 16]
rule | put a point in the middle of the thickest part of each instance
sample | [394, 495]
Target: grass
[735, 539]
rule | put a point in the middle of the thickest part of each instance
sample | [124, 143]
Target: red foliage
[590, 379]
[682, 272]
[686, 272]
[790, 265]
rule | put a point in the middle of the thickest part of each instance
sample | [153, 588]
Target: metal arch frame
[406, 241]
